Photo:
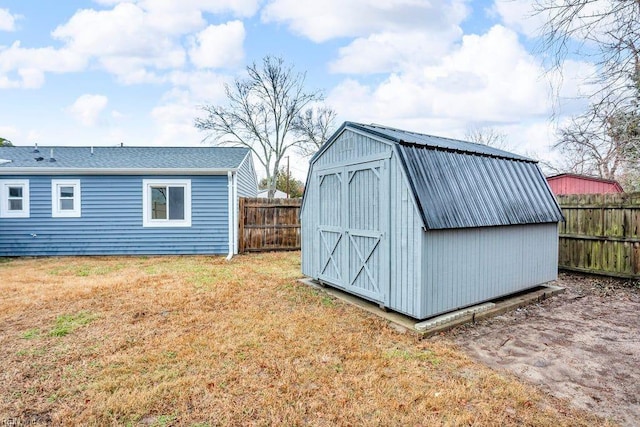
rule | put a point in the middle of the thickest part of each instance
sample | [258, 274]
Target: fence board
[601, 234]
[269, 224]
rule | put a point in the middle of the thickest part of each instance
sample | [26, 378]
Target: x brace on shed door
[353, 228]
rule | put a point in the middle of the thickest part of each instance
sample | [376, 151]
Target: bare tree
[487, 136]
[314, 127]
[606, 33]
[260, 113]
[601, 142]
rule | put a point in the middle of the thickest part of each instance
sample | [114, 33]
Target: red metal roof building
[569, 183]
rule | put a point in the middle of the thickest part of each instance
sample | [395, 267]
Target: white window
[166, 203]
[65, 198]
[14, 198]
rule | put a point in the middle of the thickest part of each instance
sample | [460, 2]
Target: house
[122, 200]
[424, 225]
[570, 183]
[277, 195]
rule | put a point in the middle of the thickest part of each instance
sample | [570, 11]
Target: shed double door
[353, 228]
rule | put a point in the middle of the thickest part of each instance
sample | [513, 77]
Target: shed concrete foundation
[449, 320]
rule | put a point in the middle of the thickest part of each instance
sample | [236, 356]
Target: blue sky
[104, 72]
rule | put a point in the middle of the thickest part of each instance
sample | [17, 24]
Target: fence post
[241, 221]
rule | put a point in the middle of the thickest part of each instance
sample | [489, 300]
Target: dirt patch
[582, 345]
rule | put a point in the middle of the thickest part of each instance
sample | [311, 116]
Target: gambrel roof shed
[424, 224]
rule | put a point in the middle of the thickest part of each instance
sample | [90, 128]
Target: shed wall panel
[350, 147]
[462, 267]
[406, 246]
[111, 220]
[308, 227]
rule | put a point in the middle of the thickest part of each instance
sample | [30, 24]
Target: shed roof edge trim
[467, 152]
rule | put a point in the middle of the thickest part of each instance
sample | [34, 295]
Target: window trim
[56, 212]
[147, 221]
[4, 198]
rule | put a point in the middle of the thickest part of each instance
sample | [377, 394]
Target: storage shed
[570, 183]
[424, 225]
[122, 200]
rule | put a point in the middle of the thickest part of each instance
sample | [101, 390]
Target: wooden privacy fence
[269, 224]
[601, 234]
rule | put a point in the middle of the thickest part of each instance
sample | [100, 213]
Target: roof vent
[92, 150]
[39, 159]
[35, 149]
[122, 144]
[51, 158]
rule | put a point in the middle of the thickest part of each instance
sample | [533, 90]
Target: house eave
[111, 171]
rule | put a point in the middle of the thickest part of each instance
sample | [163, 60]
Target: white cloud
[45, 58]
[137, 41]
[123, 40]
[487, 78]
[324, 20]
[174, 121]
[87, 108]
[9, 132]
[203, 86]
[218, 46]
[125, 30]
[32, 78]
[520, 16]
[117, 115]
[385, 52]
[171, 9]
[7, 20]
[30, 64]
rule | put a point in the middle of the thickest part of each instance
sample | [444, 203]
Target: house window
[65, 198]
[14, 198]
[166, 203]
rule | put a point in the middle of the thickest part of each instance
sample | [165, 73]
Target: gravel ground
[582, 345]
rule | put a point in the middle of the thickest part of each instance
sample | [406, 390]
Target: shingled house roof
[69, 159]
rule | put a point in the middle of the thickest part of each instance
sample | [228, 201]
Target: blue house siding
[247, 182]
[111, 220]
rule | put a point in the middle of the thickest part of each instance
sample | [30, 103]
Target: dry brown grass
[199, 341]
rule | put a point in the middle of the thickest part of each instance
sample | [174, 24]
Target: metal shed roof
[122, 158]
[397, 135]
[455, 190]
[459, 184]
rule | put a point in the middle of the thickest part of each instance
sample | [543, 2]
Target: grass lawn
[202, 341]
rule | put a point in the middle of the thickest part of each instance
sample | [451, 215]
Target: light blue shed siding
[349, 148]
[466, 266]
[406, 290]
[247, 180]
[111, 221]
